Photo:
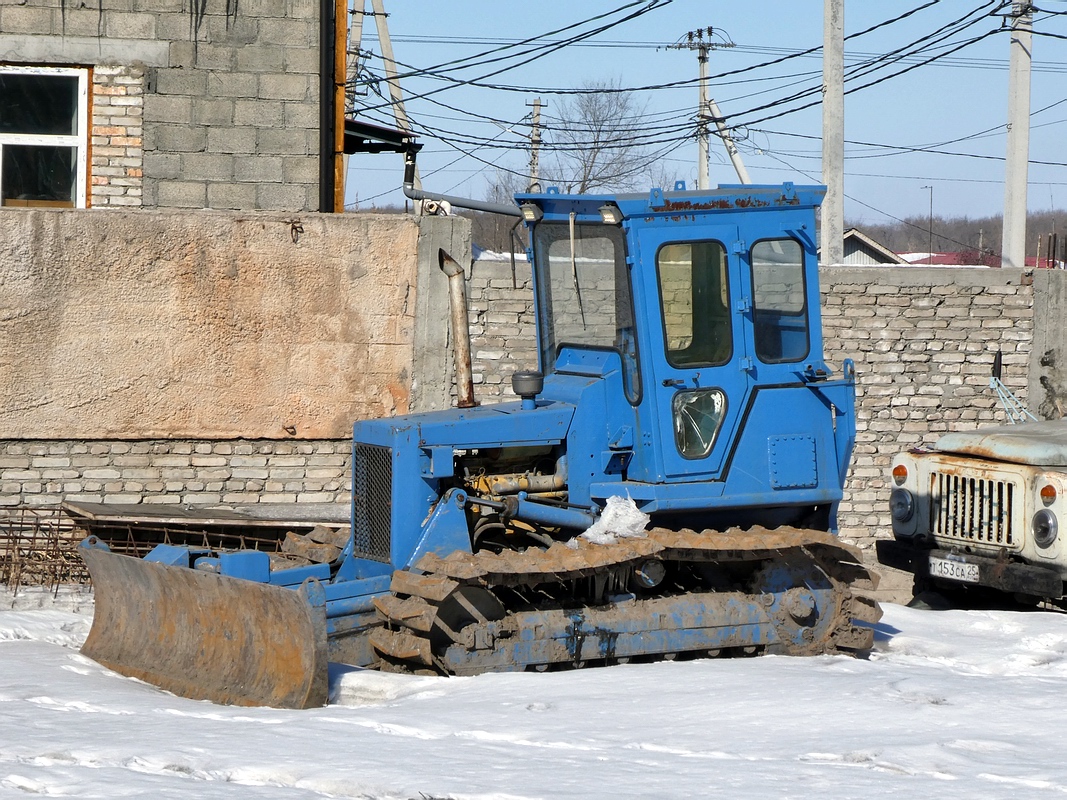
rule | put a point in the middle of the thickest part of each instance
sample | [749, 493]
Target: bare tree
[596, 142]
[497, 232]
[504, 187]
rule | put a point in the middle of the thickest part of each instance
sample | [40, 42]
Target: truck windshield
[584, 292]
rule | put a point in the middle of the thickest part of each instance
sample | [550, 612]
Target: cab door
[696, 360]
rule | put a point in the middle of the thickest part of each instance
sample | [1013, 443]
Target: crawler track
[785, 590]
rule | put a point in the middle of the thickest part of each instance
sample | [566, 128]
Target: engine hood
[501, 425]
[1039, 444]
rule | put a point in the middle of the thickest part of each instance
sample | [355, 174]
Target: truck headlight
[1045, 527]
[901, 505]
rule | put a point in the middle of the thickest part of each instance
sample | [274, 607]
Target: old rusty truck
[978, 515]
[681, 374]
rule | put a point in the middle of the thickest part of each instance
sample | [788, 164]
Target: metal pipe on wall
[457, 302]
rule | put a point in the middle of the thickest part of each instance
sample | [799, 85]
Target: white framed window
[44, 130]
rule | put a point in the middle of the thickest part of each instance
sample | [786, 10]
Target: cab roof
[656, 202]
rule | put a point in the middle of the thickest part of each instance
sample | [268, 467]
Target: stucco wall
[144, 325]
[1047, 383]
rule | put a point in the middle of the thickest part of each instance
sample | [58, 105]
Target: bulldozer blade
[206, 636]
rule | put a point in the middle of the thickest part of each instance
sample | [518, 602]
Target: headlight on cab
[901, 505]
[1044, 527]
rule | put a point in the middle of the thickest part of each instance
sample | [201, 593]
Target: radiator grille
[972, 509]
[372, 501]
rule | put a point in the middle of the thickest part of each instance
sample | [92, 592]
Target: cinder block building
[221, 104]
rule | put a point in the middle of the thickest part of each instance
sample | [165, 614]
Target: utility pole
[703, 178]
[391, 79]
[708, 110]
[930, 245]
[535, 147]
[1013, 252]
[833, 132]
[355, 41]
[727, 139]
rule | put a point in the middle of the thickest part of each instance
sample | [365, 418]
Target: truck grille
[372, 501]
[972, 509]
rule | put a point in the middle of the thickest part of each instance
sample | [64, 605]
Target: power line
[544, 50]
[673, 129]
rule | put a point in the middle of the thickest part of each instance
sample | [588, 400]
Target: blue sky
[956, 104]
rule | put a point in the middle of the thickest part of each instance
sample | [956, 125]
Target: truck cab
[981, 510]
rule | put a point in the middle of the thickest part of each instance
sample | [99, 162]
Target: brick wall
[231, 121]
[503, 328]
[239, 472]
[117, 155]
[923, 341]
[216, 357]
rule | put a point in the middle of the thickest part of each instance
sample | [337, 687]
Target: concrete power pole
[728, 141]
[833, 132]
[1013, 251]
[391, 79]
[708, 111]
[703, 178]
[355, 41]
[535, 147]
[695, 41]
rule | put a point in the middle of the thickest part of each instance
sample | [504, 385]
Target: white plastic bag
[620, 519]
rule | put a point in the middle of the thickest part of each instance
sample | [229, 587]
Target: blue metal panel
[421, 446]
[170, 554]
[792, 461]
[251, 565]
[295, 576]
[354, 597]
[446, 531]
[487, 426]
[600, 438]
[749, 197]
[747, 481]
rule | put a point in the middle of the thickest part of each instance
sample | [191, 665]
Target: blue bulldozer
[680, 376]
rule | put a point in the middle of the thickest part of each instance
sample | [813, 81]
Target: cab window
[780, 314]
[695, 303]
[584, 294]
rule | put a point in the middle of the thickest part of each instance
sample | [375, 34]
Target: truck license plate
[953, 570]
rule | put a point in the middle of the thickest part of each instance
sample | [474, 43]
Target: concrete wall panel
[209, 325]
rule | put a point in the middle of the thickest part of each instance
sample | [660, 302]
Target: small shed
[863, 251]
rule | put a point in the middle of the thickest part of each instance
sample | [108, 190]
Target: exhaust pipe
[461, 332]
[460, 202]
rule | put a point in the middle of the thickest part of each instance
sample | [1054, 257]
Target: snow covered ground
[951, 704]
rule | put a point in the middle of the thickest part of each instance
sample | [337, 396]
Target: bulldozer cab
[704, 296]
